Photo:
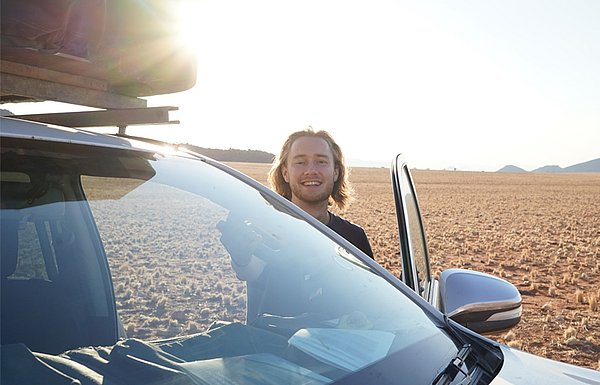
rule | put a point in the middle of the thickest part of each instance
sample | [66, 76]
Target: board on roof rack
[97, 53]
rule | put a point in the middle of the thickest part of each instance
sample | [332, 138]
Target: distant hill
[549, 169]
[234, 155]
[511, 168]
[589, 166]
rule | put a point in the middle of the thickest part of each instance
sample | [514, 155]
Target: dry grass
[539, 231]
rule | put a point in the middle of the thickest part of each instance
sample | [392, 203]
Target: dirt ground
[540, 232]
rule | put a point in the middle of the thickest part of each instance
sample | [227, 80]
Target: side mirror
[479, 301]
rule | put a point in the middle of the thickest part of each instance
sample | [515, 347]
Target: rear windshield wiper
[455, 367]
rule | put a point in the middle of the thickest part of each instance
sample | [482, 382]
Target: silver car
[119, 267]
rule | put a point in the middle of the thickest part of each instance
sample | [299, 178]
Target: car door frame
[411, 231]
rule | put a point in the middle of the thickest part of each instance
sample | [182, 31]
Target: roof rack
[120, 118]
[26, 83]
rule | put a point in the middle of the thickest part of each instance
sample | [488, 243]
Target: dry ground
[539, 231]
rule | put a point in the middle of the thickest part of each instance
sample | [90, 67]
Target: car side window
[417, 234]
[27, 248]
[30, 260]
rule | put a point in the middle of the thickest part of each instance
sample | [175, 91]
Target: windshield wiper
[455, 367]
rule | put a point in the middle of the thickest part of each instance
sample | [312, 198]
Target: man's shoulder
[337, 220]
[351, 231]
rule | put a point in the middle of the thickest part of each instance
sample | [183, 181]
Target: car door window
[413, 247]
[416, 233]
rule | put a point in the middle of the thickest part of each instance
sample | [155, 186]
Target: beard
[312, 195]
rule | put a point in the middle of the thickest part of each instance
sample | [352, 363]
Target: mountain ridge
[589, 166]
[233, 154]
[258, 156]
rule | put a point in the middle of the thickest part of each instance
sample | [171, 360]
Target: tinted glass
[56, 292]
[215, 278]
[194, 250]
[417, 233]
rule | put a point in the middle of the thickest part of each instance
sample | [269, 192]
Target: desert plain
[541, 232]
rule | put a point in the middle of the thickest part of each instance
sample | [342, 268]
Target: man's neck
[319, 211]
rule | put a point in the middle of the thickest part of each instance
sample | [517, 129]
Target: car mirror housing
[479, 301]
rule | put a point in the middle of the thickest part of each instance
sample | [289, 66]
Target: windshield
[217, 280]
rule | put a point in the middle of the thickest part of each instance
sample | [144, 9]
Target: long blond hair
[342, 190]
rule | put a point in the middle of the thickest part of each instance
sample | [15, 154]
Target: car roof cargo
[105, 54]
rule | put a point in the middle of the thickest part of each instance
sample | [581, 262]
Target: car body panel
[521, 368]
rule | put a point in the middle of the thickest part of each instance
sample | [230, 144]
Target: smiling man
[310, 171]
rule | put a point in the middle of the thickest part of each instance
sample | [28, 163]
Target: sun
[186, 16]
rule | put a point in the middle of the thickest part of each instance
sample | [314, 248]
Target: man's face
[310, 170]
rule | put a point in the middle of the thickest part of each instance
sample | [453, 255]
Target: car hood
[527, 369]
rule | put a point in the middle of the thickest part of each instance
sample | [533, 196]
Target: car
[121, 264]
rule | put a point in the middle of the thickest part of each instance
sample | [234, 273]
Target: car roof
[23, 129]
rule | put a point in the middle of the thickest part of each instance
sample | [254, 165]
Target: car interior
[50, 301]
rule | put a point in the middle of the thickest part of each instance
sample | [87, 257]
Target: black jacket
[351, 232]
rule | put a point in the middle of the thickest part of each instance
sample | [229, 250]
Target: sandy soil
[541, 232]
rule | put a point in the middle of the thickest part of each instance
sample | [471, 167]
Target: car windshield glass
[213, 252]
[220, 281]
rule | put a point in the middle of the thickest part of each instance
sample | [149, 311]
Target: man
[310, 171]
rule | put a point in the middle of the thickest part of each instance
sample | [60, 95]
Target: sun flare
[186, 13]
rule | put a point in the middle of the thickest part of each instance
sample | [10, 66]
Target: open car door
[479, 301]
[416, 272]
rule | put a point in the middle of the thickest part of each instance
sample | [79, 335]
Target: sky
[471, 85]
